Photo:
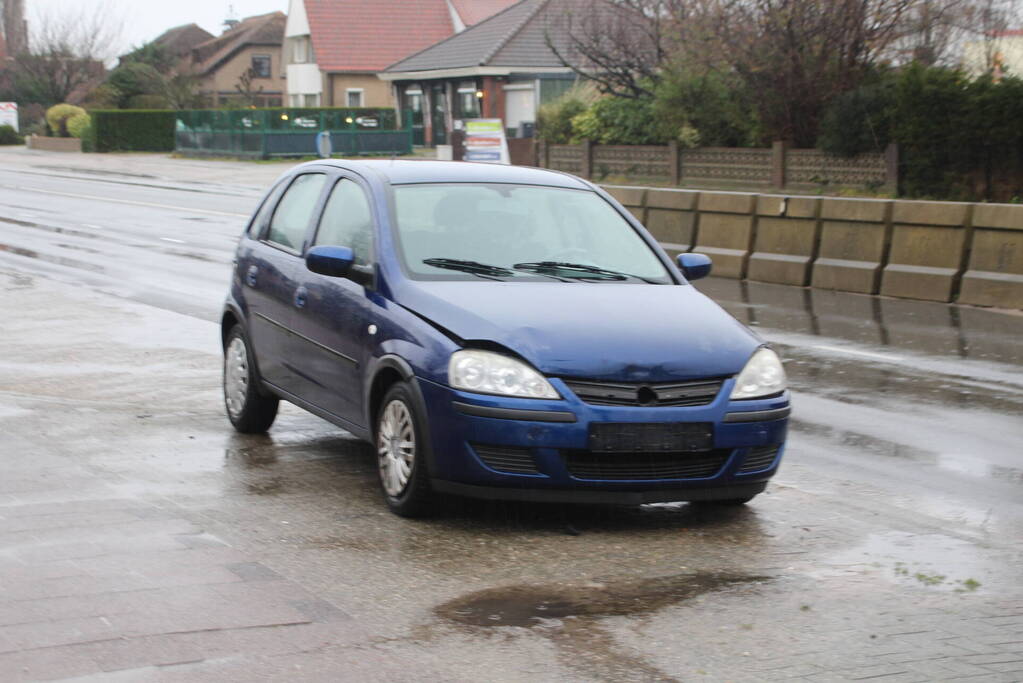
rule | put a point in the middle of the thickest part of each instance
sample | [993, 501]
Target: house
[179, 41]
[501, 67]
[334, 49]
[1000, 54]
[243, 64]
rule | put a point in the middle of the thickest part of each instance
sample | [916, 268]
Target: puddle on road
[528, 606]
[927, 560]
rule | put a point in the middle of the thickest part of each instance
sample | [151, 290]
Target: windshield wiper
[474, 267]
[481, 269]
[590, 272]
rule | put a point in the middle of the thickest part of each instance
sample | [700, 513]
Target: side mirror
[332, 261]
[694, 266]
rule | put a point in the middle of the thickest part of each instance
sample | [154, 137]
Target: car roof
[409, 171]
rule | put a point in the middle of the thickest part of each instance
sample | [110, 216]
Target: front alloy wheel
[402, 454]
[396, 447]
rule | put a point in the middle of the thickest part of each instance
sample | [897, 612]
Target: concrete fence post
[674, 171]
[587, 160]
[891, 169]
[778, 150]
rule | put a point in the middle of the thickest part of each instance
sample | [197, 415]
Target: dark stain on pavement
[527, 605]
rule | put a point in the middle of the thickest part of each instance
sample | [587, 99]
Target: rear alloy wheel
[401, 455]
[249, 411]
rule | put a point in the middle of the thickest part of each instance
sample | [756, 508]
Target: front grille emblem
[646, 396]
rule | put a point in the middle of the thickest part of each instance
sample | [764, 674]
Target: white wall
[298, 21]
[304, 79]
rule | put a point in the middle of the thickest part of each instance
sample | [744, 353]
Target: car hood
[626, 332]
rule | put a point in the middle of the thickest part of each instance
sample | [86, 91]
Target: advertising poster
[485, 141]
[9, 114]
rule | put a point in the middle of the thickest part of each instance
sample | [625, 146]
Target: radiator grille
[506, 458]
[634, 466]
[690, 393]
[760, 458]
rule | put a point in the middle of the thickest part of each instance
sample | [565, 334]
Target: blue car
[496, 331]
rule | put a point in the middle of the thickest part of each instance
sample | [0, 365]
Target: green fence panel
[292, 131]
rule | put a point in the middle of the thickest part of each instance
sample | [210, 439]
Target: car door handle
[250, 276]
[300, 297]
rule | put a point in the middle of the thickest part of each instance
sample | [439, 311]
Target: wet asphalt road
[889, 545]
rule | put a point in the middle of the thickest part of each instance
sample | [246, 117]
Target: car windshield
[519, 233]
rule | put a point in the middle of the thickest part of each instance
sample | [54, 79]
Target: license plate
[640, 437]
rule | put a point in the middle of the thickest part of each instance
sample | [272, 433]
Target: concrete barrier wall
[788, 233]
[995, 273]
[932, 251]
[671, 217]
[928, 244]
[725, 232]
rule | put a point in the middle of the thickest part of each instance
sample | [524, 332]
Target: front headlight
[486, 372]
[762, 376]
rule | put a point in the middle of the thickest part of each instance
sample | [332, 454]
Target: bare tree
[66, 51]
[936, 32]
[246, 87]
[620, 45]
[795, 56]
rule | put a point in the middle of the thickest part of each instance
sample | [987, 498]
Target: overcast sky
[146, 19]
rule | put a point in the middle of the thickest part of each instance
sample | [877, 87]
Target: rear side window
[291, 218]
[258, 225]
[347, 221]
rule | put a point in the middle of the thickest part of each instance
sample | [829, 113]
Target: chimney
[15, 27]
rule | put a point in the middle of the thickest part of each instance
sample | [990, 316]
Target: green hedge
[132, 130]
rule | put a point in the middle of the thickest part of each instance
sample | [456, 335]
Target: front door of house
[438, 113]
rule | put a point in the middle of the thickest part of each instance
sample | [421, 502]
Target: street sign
[485, 141]
[9, 114]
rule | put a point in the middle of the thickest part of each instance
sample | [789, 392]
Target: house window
[261, 66]
[414, 101]
[302, 50]
[312, 100]
[353, 97]
[468, 102]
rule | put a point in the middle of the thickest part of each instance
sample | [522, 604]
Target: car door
[268, 273]
[335, 321]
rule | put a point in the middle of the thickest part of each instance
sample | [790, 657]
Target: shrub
[554, 118]
[78, 124]
[714, 105]
[9, 136]
[125, 130]
[149, 102]
[57, 117]
[620, 121]
[133, 79]
[959, 137]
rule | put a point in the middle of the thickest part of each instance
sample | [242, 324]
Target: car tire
[248, 409]
[402, 454]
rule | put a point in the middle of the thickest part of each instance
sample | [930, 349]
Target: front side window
[347, 221]
[519, 232]
[354, 97]
[261, 65]
[295, 210]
